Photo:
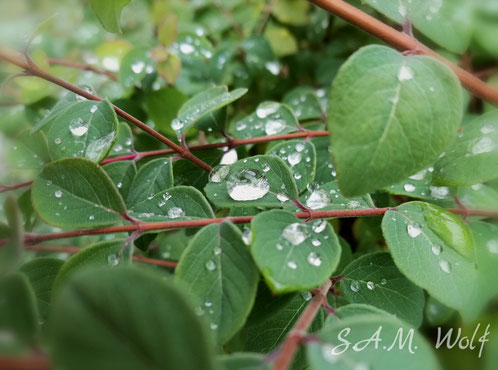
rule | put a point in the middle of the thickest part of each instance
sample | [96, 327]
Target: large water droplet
[439, 192]
[314, 259]
[405, 73]
[445, 266]
[294, 158]
[78, 127]
[318, 199]
[488, 128]
[176, 124]
[274, 126]
[282, 197]
[492, 246]
[113, 260]
[414, 230]
[175, 212]
[295, 233]
[219, 173]
[246, 236]
[370, 285]
[210, 265]
[483, 145]
[247, 185]
[138, 66]
[354, 286]
[267, 108]
[319, 225]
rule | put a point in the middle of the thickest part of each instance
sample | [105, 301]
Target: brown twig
[291, 343]
[83, 67]
[403, 42]
[72, 250]
[34, 70]
[31, 239]
[15, 186]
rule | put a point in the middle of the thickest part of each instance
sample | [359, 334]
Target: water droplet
[119, 185]
[405, 73]
[295, 233]
[279, 246]
[247, 185]
[199, 311]
[267, 108]
[314, 259]
[91, 217]
[219, 173]
[292, 265]
[439, 192]
[274, 126]
[353, 204]
[217, 251]
[318, 226]
[208, 303]
[282, 197]
[113, 260]
[370, 285]
[300, 147]
[318, 199]
[175, 212]
[419, 175]
[354, 286]
[297, 176]
[246, 236]
[316, 242]
[241, 125]
[166, 196]
[266, 168]
[176, 124]
[58, 193]
[445, 266]
[436, 249]
[306, 296]
[138, 66]
[186, 48]
[213, 326]
[58, 141]
[483, 145]
[78, 127]
[294, 158]
[402, 9]
[409, 188]
[210, 265]
[414, 230]
[273, 67]
[492, 246]
[383, 282]
[488, 128]
[93, 109]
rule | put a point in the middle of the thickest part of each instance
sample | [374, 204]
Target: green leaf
[170, 68]
[203, 104]
[136, 65]
[304, 103]
[478, 196]
[187, 173]
[437, 313]
[225, 290]
[41, 273]
[283, 44]
[374, 279]
[259, 181]
[180, 203]
[259, 54]
[270, 118]
[109, 13]
[293, 255]
[473, 157]
[448, 23]
[124, 141]
[76, 193]
[427, 243]
[293, 12]
[86, 129]
[486, 252]
[163, 106]
[243, 361]
[330, 351]
[29, 152]
[12, 251]
[387, 125]
[301, 158]
[18, 313]
[96, 255]
[328, 197]
[324, 167]
[132, 319]
[191, 46]
[168, 30]
[151, 179]
[121, 174]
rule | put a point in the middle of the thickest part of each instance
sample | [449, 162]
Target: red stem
[403, 42]
[84, 67]
[72, 250]
[294, 338]
[15, 186]
[36, 71]
[31, 239]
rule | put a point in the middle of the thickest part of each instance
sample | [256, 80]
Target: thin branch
[232, 144]
[266, 15]
[36, 361]
[83, 67]
[291, 343]
[72, 250]
[403, 42]
[31, 239]
[38, 72]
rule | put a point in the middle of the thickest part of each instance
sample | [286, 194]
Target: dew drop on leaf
[113, 260]
[436, 249]
[370, 285]
[318, 199]
[414, 230]
[247, 185]
[405, 73]
[58, 193]
[445, 266]
[292, 265]
[78, 127]
[295, 233]
[210, 265]
[267, 108]
[409, 188]
[274, 126]
[219, 173]
[492, 246]
[318, 226]
[383, 282]
[314, 259]
[354, 286]
[294, 158]
[175, 212]
[316, 242]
